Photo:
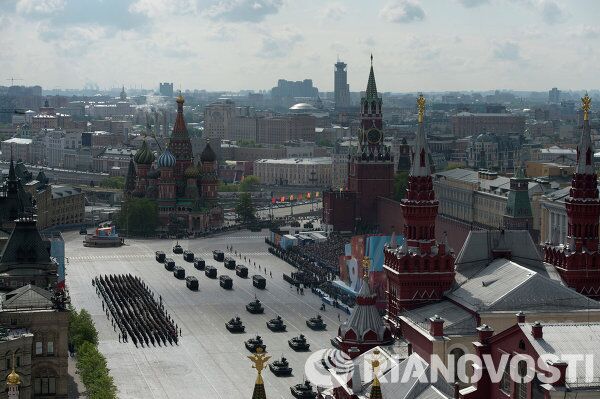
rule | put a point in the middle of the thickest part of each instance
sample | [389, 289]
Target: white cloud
[243, 10]
[507, 51]
[334, 11]
[473, 3]
[402, 11]
[280, 43]
[551, 11]
[39, 6]
[160, 8]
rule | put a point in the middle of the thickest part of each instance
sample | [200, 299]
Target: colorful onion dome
[166, 159]
[208, 155]
[144, 156]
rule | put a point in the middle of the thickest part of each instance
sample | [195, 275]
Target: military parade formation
[133, 310]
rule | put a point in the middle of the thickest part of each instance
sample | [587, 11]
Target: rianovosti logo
[330, 368]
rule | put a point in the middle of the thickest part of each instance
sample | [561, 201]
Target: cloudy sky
[248, 44]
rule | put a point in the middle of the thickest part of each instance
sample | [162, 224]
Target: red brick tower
[578, 261]
[180, 146]
[421, 270]
[371, 169]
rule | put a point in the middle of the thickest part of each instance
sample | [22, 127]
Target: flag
[291, 197]
[308, 195]
[317, 194]
[282, 199]
[300, 197]
[273, 200]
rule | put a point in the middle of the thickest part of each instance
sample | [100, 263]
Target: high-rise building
[217, 117]
[166, 89]
[340, 85]
[554, 96]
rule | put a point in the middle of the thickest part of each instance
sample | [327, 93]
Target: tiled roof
[25, 245]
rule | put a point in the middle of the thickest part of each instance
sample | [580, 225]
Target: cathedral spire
[585, 149]
[420, 163]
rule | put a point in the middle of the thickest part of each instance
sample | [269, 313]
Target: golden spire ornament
[586, 103]
[421, 107]
[260, 360]
[375, 386]
[366, 265]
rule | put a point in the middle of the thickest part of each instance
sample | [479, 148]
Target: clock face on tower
[374, 136]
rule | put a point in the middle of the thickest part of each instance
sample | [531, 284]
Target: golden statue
[421, 107]
[260, 360]
[586, 103]
[366, 265]
[375, 364]
[13, 378]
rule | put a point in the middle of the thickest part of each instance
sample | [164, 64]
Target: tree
[400, 185]
[81, 328]
[139, 216]
[249, 183]
[117, 182]
[245, 209]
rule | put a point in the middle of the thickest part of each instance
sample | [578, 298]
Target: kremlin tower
[578, 260]
[364, 329]
[421, 270]
[370, 170]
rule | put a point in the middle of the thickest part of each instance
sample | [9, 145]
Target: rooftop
[297, 161]
[17, 140]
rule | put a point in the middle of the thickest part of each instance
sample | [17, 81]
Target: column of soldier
[134, 310]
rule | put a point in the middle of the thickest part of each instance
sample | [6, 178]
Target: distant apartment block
[469, 124]
[314, 172]
[166, 89]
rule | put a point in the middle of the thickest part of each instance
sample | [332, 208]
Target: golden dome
[13, 378]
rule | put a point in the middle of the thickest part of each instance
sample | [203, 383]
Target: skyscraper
[340, 85]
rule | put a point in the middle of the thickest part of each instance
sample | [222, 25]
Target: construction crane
[12, 80]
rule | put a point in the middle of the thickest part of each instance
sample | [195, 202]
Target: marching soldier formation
[134, 311]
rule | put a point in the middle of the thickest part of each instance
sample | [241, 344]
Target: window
[44, 386]
[505, 382]
[50, 348]
[521, 386]
[38, 348]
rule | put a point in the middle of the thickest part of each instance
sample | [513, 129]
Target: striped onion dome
[166, 159]
[144, 156]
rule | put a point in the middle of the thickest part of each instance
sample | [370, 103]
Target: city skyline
[233, 45]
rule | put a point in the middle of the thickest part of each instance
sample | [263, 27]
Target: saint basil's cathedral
[185, 192]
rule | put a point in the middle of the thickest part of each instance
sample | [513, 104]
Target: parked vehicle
[199, 263]
[191, 282]
[160, 256]
[226, 282]
[188, 256]
[210, 271]
[229, 263]
[169, 264]
[179, 272]
[218, 255]
[259, 281]
[241, 271]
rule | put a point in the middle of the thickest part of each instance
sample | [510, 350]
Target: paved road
[209, 361]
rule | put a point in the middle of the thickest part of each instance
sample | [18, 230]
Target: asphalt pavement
[209, 362]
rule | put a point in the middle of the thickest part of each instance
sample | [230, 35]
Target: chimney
[436, 326]
[409, 348]
[520, 317]
[562, 368]
[536, 330]
[484, 332]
